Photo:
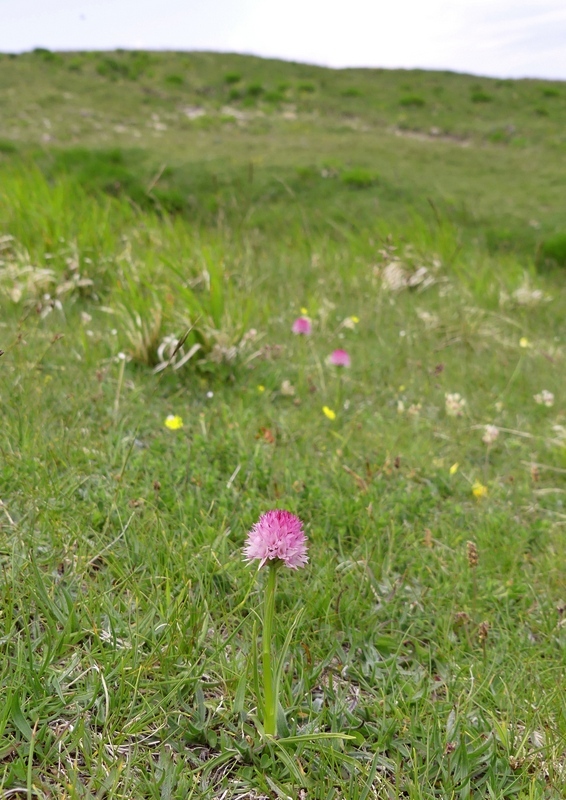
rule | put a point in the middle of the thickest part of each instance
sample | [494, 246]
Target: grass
[128, 619]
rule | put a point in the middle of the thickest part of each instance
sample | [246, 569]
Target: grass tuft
[554, 249]
[413, 100]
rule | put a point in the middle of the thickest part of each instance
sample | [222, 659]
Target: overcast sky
[504, 38]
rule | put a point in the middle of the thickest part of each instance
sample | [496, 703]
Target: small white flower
[455, 404]
[491, 433]
[544, 398]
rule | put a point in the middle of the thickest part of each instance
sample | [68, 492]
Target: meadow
[165, 218]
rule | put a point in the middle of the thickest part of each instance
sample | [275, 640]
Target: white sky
[504, 38]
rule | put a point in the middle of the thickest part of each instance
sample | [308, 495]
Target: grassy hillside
[199, 128]
[164, 219]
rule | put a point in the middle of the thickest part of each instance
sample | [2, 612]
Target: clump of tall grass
[480, 96]
[553, 249]
[412, 100]
[359, 178]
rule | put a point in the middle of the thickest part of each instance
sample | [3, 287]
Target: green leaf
[255, 668]
[282, 726]
[371, 776]
[201, 707]
[240, 697]
[284, 649]
[19, 720]
[289, 763]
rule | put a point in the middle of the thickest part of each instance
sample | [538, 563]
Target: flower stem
[340, 393]
[269, 691]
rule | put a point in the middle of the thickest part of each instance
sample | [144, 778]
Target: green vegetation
[157, 240]
[479, 96]
[352, 92]
[306, 86]
[358, 178]
[232, 77]
[412, 100]
[255, 89]
[174, 79]
[554, 249]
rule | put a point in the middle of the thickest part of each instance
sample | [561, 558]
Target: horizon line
[318, 65]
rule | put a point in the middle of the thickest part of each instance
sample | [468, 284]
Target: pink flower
[339, 358]
[302, 325]
[277, 535]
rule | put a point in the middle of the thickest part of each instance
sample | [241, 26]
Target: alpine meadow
[283, 442]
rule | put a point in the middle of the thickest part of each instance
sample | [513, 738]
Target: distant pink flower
[339, 358]
[302, 325]
[277, 535]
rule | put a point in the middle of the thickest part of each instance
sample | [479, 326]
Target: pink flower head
[302, 325]
[277, 535]
[339, 358]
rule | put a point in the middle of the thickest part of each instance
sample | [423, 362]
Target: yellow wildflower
[524, 342]
[479, 490]
[261, 388]
[454, 468]
[328, 412]
[173, 422]
[304, 310]
[355, 320]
